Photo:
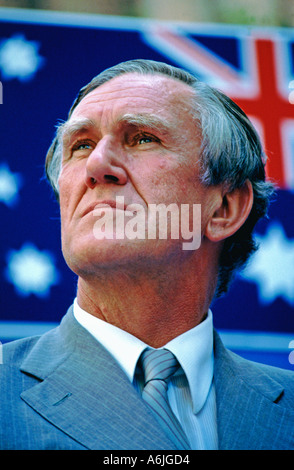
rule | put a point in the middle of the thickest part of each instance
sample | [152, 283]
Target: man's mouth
[116, 205]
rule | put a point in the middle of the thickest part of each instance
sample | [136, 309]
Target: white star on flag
[10, 184]
[19, 58]
[31, 271]
[272, 266]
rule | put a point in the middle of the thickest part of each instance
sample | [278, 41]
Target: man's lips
[104, 205]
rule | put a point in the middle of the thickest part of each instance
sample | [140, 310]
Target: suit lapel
[85, 394]
[247, 415]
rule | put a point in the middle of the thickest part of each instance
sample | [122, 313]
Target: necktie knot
[158, 364]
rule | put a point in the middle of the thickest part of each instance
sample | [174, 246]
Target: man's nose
[104, 164]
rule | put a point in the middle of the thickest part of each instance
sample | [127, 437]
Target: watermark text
[158, 221]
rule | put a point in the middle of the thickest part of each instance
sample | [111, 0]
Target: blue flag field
[45, 58]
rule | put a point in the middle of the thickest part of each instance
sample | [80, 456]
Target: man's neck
[154, 309]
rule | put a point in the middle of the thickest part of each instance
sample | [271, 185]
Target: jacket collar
[248, 413]
[82, 391]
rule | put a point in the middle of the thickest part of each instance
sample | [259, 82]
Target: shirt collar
[124, 347]
[193, 349]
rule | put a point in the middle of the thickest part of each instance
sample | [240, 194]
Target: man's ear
[231, 214]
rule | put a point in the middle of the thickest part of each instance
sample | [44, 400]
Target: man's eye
[82, 146]
[145, 140]
[142, 139]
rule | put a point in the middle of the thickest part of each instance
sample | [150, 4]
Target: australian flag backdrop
[45, 58]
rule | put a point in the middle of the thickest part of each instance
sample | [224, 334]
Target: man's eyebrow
[75, 126]
[141, 120]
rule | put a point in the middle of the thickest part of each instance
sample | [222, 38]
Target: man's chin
[92, 256]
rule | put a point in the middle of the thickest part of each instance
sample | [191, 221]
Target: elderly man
[135, 362]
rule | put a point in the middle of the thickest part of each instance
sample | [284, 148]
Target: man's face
[133, 139]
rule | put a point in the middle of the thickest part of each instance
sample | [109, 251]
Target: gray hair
[231, 153]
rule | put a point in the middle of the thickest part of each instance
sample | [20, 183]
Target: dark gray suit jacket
[64, 391]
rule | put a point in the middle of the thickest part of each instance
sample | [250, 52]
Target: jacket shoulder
[14, 352]
[284, 377]
[269, 380]
[37, 355]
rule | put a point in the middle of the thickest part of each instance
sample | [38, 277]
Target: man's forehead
[155, 101]
[151, 80]
[139, 86]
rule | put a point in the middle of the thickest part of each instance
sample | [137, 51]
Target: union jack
[260, 88]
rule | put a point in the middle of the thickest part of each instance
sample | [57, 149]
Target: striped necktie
[158, 365]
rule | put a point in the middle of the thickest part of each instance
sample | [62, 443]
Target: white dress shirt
[191, 390]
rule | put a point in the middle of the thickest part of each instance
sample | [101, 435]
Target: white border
[93, 20]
